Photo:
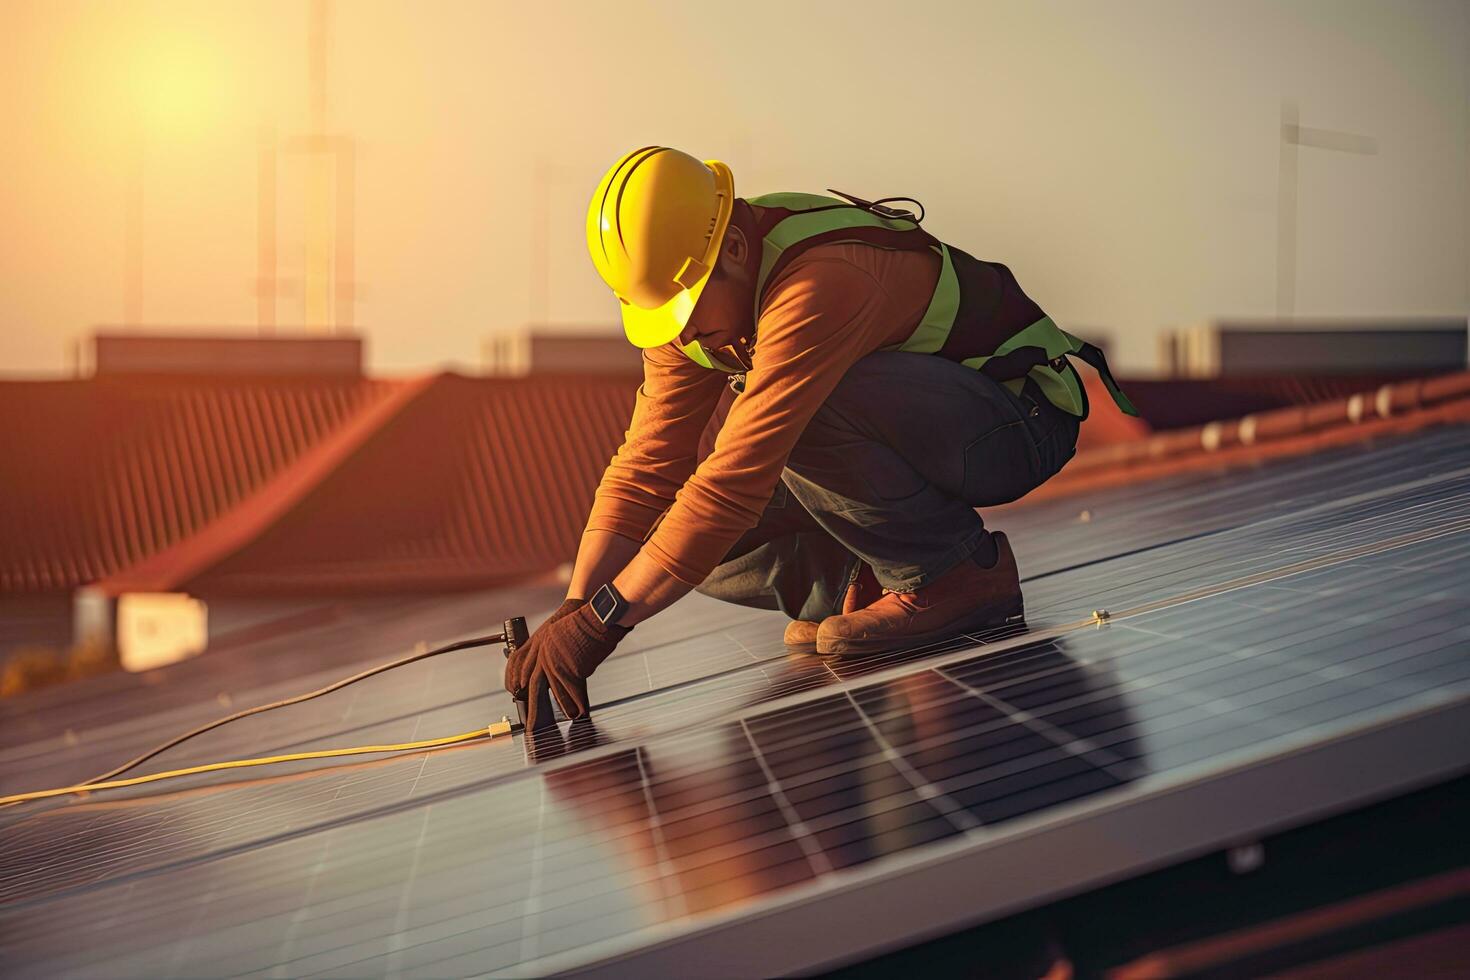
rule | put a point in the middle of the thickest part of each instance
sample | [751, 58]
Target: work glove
[567, 606]
[517, 657]
[561, 655]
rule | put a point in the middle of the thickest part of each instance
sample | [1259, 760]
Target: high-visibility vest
[977, 316]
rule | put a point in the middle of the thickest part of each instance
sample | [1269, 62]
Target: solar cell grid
[758, 777]
[1136, 517]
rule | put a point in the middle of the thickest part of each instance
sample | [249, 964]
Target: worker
[888, 384]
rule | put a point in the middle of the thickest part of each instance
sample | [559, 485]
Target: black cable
[477, 641]
[916, 219]
[880, 208]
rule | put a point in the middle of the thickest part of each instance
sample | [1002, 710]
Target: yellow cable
[477, 641]
[242, 763]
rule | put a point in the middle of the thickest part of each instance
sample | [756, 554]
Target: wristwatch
[608, 605]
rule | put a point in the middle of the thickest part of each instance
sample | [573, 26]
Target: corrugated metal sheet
[101, 473]
[475, 482]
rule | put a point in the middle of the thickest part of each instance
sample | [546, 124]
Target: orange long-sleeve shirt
[831, 306]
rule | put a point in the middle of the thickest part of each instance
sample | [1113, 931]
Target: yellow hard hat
[654, 230]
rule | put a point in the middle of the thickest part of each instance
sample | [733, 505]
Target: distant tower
[316, 290]
[266, 283]
[133, 233]
[327, 284]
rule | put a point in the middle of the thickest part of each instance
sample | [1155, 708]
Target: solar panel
[1284, 643]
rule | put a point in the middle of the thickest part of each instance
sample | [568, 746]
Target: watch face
[603, 604]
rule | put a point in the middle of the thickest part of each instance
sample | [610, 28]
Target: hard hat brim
[656, 327]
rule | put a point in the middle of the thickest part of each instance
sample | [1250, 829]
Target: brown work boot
[864, 590]
[965, 598]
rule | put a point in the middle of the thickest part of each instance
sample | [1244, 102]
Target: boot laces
[908, 599]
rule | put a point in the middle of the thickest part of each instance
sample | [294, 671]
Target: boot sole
[984, 619]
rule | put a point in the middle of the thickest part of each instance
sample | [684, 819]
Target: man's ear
[736, 247]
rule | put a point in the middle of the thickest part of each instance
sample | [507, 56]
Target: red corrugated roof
[269, 485]
[475, 482]
[101, 473]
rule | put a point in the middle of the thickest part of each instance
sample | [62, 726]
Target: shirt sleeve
[659, 447]
[818, 319]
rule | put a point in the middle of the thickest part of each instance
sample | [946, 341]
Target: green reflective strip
[1059, 387]
[696, 353]
[933, 330]
[699, 355]
[1121, 400]
[1044, 334]
[803, 225]
[1100, 365]
[1094, 357]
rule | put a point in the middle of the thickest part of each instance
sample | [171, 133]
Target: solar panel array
[1257, 618]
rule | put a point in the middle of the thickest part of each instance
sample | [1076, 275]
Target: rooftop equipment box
[205, 353]
[1236, 348]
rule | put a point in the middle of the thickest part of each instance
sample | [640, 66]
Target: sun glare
[175, 85]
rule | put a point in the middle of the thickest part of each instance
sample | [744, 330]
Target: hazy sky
[1121, 157]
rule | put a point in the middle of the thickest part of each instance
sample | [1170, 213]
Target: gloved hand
[518, 657]
[562, 654]
[567, 606]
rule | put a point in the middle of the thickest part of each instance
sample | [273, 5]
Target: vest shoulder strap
[793, 223]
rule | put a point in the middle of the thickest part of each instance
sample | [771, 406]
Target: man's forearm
[605, 557]
[648, 587]
[600, 556]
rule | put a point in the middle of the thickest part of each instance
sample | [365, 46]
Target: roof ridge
[1399, 407]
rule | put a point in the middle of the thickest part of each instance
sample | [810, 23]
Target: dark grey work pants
[889, 472]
